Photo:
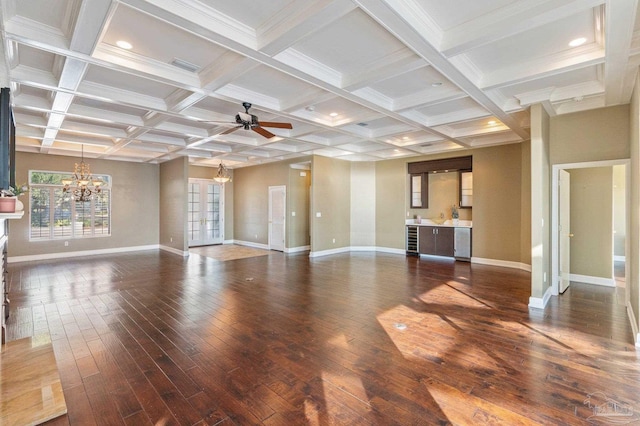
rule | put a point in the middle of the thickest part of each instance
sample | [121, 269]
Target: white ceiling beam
[90, 21]
[196, 24]
[431, 96]
[505, 22]
[540, 68]
[195, 11]
[619, 31]
[411, 32]
[92, 18]
[296, 21]
[393, 65]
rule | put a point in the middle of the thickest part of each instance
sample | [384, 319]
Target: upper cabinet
[419, 179]
[466, 189]
[419, 191]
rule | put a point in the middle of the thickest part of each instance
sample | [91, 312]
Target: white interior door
[277, 208]
[205, 213]
[564, 229]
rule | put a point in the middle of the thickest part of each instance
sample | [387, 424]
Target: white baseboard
[228, 242]
[175, 251]
[634, 324]
[329, 252]
[619, 258]
[357, 248]
[364, 248]
[540, 302]
[67, 254]
[389, 250]
[502, 263]
[586, 279]
[251, 244]
[297, 249]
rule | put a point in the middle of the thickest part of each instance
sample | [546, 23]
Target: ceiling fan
[248, 121]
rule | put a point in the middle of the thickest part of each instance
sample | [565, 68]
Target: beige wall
[251, 202]
[633, 282]
[128, 229]
[363, 204]
[173, 204]
[201, 172]
[592, 221]
[619, 210]
[496, 213]
[331, 197]
[595, 135]
[525, 203]
[298, 201]
[496, 202]
[392, 203]
[540, 201]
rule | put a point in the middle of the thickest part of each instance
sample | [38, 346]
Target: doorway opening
[597, 205]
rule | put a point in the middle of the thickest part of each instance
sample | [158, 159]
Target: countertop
[445, 224]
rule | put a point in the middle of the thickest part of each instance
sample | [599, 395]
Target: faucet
[441, 215]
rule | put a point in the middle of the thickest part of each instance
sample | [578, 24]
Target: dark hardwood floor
[359, 339]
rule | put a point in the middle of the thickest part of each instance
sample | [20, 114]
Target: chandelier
[82, 185]
[222, 175]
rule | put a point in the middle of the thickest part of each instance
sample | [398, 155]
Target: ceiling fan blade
[267, 134]
[277, 125]
[231, 130]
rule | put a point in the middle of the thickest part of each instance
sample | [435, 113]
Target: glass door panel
[205, 218]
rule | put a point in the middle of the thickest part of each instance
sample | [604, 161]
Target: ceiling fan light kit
[248, 121]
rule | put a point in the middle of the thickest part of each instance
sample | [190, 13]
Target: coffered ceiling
[359, 80]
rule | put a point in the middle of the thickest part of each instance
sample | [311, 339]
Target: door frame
[555, 218]
[564, 235]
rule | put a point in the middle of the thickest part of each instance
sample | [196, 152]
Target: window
[55, 215]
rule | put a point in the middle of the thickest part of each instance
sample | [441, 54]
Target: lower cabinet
[436, 240]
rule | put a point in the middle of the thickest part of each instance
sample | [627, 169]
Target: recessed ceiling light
[333, 114]
[405, 138]
[310, 108]
[577, 42]
[436, 84]
[124, 44]
[491, 122]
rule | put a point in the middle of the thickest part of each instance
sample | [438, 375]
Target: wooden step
[29, 382]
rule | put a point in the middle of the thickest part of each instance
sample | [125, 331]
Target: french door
[205, 212]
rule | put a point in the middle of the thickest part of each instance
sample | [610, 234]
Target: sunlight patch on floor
[311, 412]
[408, 340]
[462, 408]
[449, 294]
[339, 341]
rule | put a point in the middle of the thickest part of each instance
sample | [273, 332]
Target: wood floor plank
[360, 338]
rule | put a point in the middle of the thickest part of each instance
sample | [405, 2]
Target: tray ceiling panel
[361, 81]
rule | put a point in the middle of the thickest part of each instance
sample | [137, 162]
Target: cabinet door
[427, 239]
[419, 187]
[444, 241]
[466, 189]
